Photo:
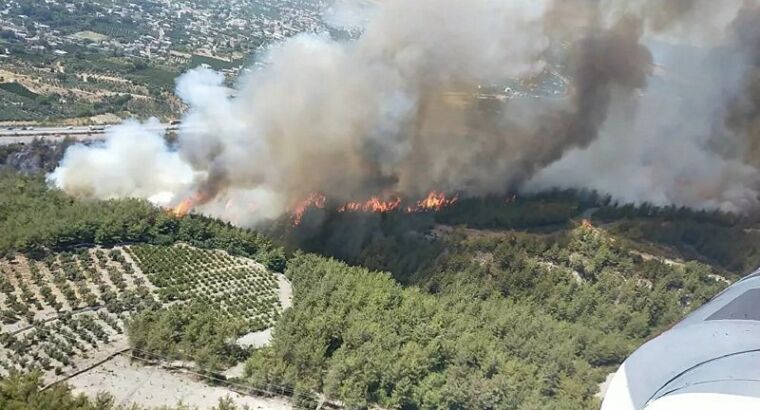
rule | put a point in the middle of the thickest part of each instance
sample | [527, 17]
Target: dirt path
[285, 291]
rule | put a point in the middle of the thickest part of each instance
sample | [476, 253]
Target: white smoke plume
[133, 161]
[394, 112]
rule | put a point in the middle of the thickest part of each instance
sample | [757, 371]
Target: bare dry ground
[151, 386]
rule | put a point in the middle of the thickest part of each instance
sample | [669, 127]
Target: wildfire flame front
[434, 201]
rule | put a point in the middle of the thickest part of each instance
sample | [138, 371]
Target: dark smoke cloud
[399, 112]
[606, 61]
[743, 118]
[685, 140]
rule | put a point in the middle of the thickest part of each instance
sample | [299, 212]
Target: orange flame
[433, 202]
[313, 201]
[374, 204]
[187, 204]
[183, 208]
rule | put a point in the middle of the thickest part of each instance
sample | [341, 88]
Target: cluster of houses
[171, 30]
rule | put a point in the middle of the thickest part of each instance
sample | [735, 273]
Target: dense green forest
[191, 331]
[581, 278]
[517, 321]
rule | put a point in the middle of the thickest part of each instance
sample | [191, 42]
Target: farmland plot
[69, 311]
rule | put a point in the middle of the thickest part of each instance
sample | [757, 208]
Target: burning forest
[434, 201]
[656, 103]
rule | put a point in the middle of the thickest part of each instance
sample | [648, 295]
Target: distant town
[101, 60]
[162, 29]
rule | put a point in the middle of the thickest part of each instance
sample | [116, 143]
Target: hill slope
[534, 317]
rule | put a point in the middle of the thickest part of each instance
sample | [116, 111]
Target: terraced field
[69, 311]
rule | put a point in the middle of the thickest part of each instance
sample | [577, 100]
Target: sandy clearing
[86, 76]
[90, 35]
[255, 340]
[154, 386]
[553, 266]
[649, 257]
[104, 119]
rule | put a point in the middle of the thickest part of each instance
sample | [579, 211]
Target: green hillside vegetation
[52, 107]
[728, 241]
[611, 276]
[70, 23]
[110, 80]
[214, 63]
[35, 218]
[155, 77]
[220, 299]
[188, 332]
[550, 313]
[397, 242]
[18, 89]
[535, 211]
[63, 301]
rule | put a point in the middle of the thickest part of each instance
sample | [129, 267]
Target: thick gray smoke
[688, 138]
[649, 111]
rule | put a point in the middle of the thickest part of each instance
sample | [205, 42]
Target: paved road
[18, 135]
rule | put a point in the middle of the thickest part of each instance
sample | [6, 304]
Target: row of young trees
[231, 287]
[56, 346]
